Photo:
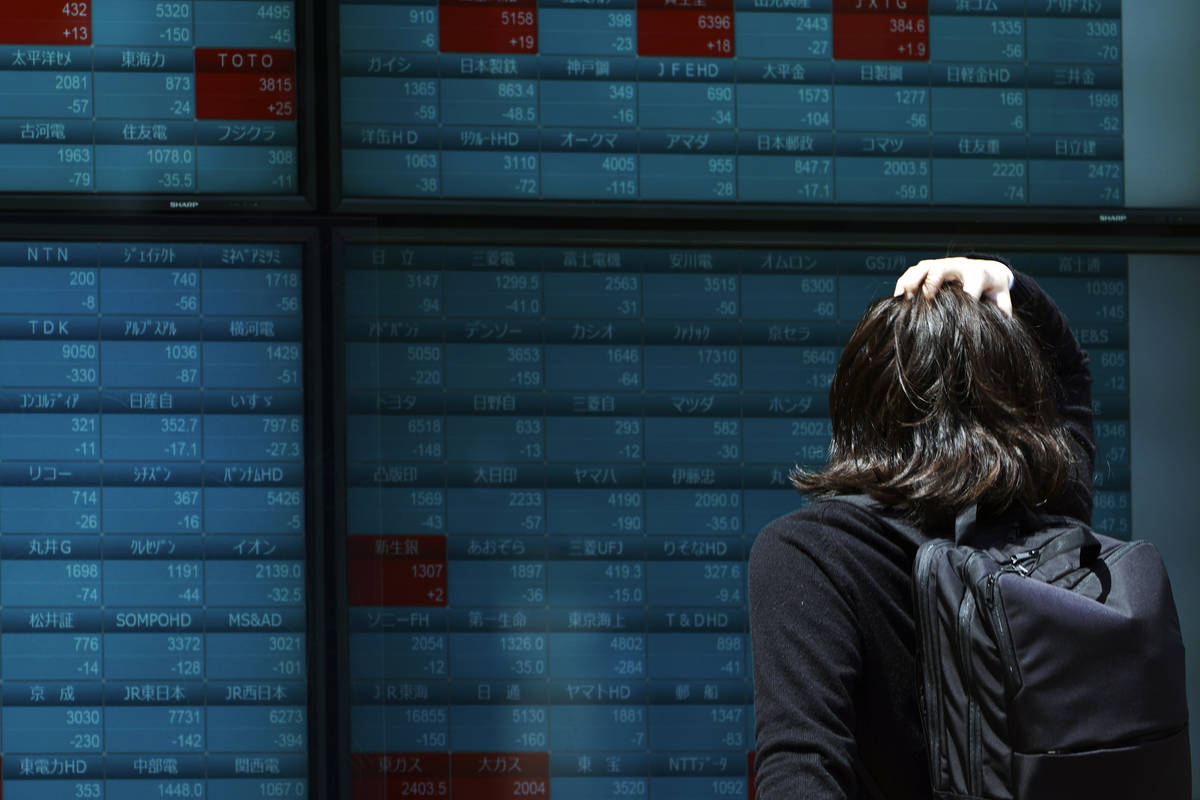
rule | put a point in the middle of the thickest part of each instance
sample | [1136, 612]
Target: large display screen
[556, 459]
[153, 627]
[1005, 104]
[195, 98]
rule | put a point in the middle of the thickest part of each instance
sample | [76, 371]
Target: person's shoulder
[832, 529]
[815, 527]
[835, 512]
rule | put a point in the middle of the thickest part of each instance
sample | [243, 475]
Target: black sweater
[832, 624]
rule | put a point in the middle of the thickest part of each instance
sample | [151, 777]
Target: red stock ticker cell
[471, 776]
[881, 6]
[387, 776]
[881, 37]
[396, 571]
[45, 22]
[685, 28]
[485, 776]
[245, 84]
[490, 26]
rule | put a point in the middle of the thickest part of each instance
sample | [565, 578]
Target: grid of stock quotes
[152, 562]
[557, 460]
[133, 96]
[946, 102]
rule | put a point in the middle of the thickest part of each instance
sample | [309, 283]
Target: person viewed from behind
[964, 388]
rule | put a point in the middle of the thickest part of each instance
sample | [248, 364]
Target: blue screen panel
[557, 459]
[922, 103]
[193, 97]
[153, 626]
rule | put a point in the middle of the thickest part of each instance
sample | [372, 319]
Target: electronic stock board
[556, 453]
[191, 98]
[786, 104]
[557, 457]
[153, 578]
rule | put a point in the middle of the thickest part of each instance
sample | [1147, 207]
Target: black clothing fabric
[832, 621]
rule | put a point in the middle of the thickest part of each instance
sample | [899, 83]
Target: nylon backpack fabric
[1050, 663]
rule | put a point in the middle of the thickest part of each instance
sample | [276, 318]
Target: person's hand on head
[980, 278]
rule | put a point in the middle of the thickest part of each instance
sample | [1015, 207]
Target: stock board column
[490, 100]
[145, 97]
[589, 95]
[784, 102]
[686, 103]
[390, 50]
[253, 422]
[396, 521]
[881, 101]
[246, 137]
[791, 346]
[694, 518]
[152, 503]
[1075, 103]
[50, 579]
[496, 522]
[978, 102]
[595, 507]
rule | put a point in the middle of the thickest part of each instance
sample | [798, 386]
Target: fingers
[1004, 300]
[908, 283]
[939, 271]
[980, 278]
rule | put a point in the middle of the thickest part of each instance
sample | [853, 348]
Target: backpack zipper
[930, 690]
[1016, 565]
[1008, 653]
[966, 615]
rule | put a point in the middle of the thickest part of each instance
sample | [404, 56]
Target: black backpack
[1050, 664]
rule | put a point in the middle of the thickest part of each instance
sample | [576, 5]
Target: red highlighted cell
[473, 776]
[491, 26]
[396, 570]
[750, 775]
[229, 60]
[485, 776]
[46, 22]
[881, 6]
[704, 6]
[881, 37]
[45, 32]
[245, 84]
[386, 776]
[664, 29]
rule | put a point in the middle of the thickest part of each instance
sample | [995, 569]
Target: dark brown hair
[938, 404]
